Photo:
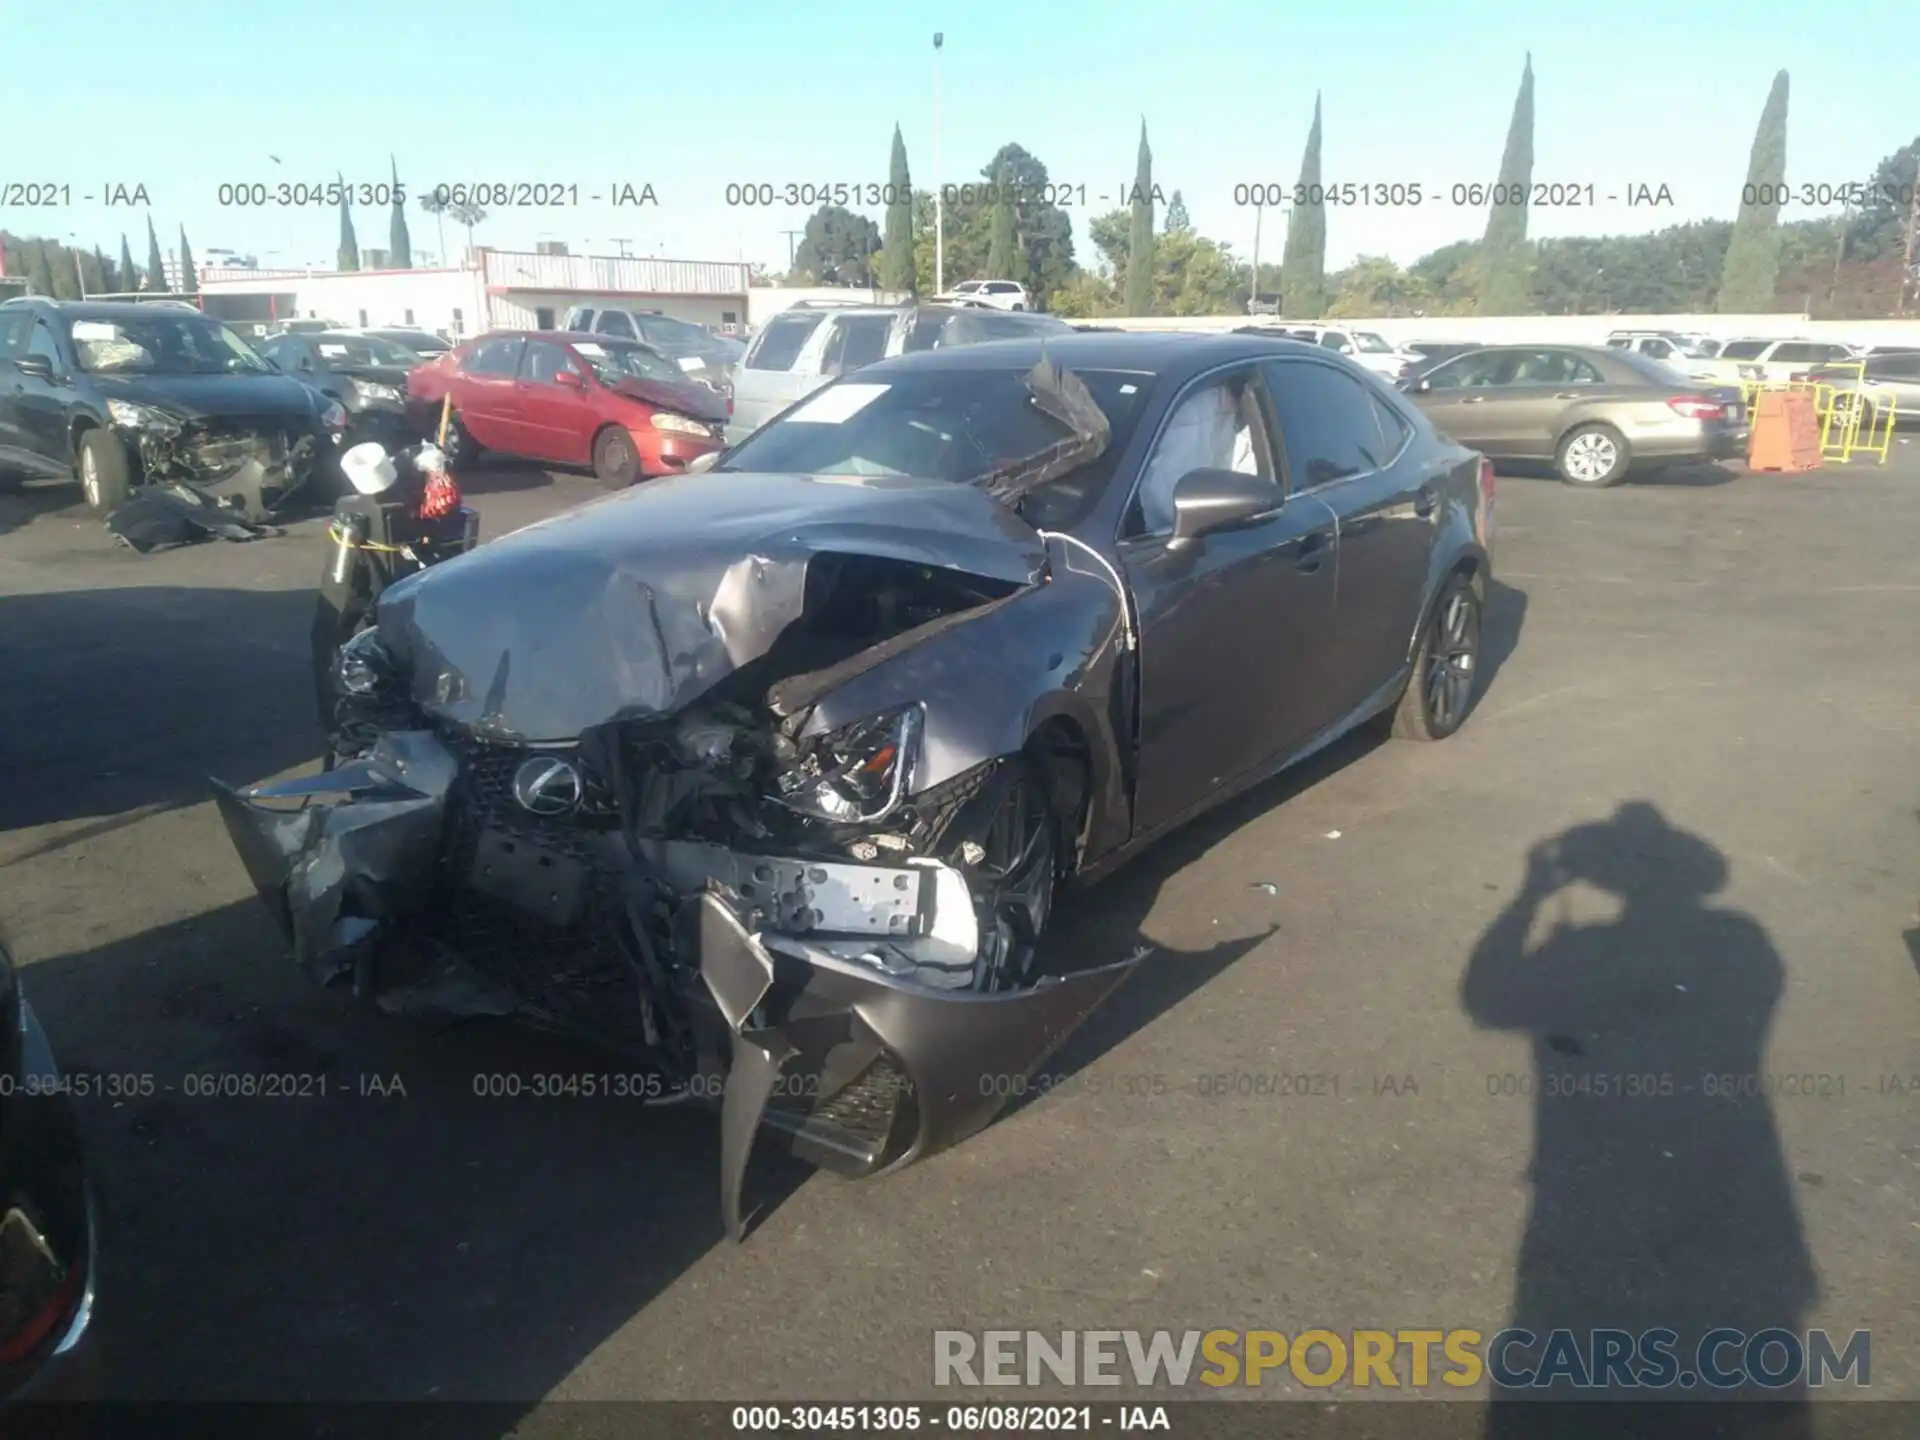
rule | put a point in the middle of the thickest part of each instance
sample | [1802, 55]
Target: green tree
[1111, 234]
[837, 248]
[1086, 296]
[1003, 240]
[1303, 264]
[98, 273]
[1505, 284]
[189, 282]
[1195, 276]
[399, 240]
[1752, 266]
[348, 255]
[1177, 220]
[39, 269]
[128, 278]
[896, 253]
[156, 261]
[1374, 285]
[1140, 281]
[1044, 227]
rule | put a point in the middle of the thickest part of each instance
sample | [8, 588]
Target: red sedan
[621, 407]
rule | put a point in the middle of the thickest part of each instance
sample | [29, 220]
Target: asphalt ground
[1323, 1103]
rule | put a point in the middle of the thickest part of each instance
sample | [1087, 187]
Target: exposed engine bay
[784, 916]
[251, 468]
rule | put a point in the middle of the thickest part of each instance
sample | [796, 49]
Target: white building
[493, 290]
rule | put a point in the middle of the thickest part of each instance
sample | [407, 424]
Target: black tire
[615, 460]
[1446, 667]
[1018, 875]
[106, 471]
[463, 452]
[1581, 448]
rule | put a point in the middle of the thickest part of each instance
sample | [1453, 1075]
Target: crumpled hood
[702, 402]
[199, 396]
[634, 605]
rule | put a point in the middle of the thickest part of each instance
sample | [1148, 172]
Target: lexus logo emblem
[546, 786]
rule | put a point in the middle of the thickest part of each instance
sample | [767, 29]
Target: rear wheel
[1446, 668]
[106, 473]
[615, 460]
[1593, 457]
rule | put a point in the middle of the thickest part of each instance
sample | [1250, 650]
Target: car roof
[1172, 353]
[109, 309]
[563, 337]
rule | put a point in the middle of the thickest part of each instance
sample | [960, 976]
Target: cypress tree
[101, 277]
[39, 269]
[1140, 247]
[156, 262]
[1506, 287]
[127, 278]
[1303, 265]
[1752, 265]
[897, 252]
[349, 255]
[1002, 236]
[399, 242]
[189, 282]
[1177, 222]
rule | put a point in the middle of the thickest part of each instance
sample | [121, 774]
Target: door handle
[1475, 400]
[1312, 555]
[1567, 395]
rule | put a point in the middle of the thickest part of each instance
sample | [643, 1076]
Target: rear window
[1792, 353]
[1656, 372]
[780, 342]
[1743, 349]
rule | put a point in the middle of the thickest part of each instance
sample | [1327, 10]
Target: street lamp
[939, 215]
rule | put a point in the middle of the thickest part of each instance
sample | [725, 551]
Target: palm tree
[436, 202]
[468, 214]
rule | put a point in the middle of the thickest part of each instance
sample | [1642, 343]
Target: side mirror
[1419, 387]
[38, 366]
[570, 379]
[1206, 501]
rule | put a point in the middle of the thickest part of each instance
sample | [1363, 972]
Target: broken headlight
[859, 773]
[362, 666]
[150, 418]
[362, 393]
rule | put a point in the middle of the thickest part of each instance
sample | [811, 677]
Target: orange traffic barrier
[1786, 433]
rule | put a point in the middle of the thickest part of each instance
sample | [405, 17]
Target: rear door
[15, 327]
[559, 420]
[854, 341]
[1348, 446]
[42, 407]
[1545, 393]
[1464, 396]
[486, 393]
[772, 377]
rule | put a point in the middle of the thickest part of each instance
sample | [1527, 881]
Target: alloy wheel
[1452, 662]
[1591, 457]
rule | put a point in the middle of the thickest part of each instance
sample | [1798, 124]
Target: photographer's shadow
[1661, 1195]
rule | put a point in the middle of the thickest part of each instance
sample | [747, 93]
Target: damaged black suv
[121, 395]
[770, 774]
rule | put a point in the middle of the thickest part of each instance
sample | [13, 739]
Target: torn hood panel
[634, 605]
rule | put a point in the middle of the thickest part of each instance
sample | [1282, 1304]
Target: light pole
[1253, 289]
[939, 210]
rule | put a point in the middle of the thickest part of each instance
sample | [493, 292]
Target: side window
[856, 340]
[674, 336]
[1215, 426]
[1486, 367]
[14, 330]
[781, 341]
[1836, 352]
[612, 322]
[500, 357]
[1619, 342]
[1328, 427]
[1395, 432]
[1742, 349]
[1656, 349]
[579, 320]
[41, 342]
[1896, 367]
[1797, 352]
[1334, 340]
[544, 362]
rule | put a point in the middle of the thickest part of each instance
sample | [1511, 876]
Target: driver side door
[1233, 625]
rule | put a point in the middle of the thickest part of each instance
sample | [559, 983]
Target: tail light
[1697, 407]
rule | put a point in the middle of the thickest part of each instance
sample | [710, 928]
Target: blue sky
[691, 97]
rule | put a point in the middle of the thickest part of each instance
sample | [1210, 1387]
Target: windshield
[157, 343]
[344, 350]
[1369, 343]
[1742, 349]
[963, 426]
[612, 362]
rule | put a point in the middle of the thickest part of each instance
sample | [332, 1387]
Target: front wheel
[1446, 667]
[1593, 457]
[1015, 879]
[462, 450]
[615, 460]
[106, 472]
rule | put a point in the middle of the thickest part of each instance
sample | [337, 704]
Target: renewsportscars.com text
[1511, 1359]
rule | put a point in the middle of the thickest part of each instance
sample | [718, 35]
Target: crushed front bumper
[833, 1006]
[253, 466]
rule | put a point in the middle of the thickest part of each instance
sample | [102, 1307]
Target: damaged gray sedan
[771, 774]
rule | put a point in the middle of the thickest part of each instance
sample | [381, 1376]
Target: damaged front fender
[863, 1072]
